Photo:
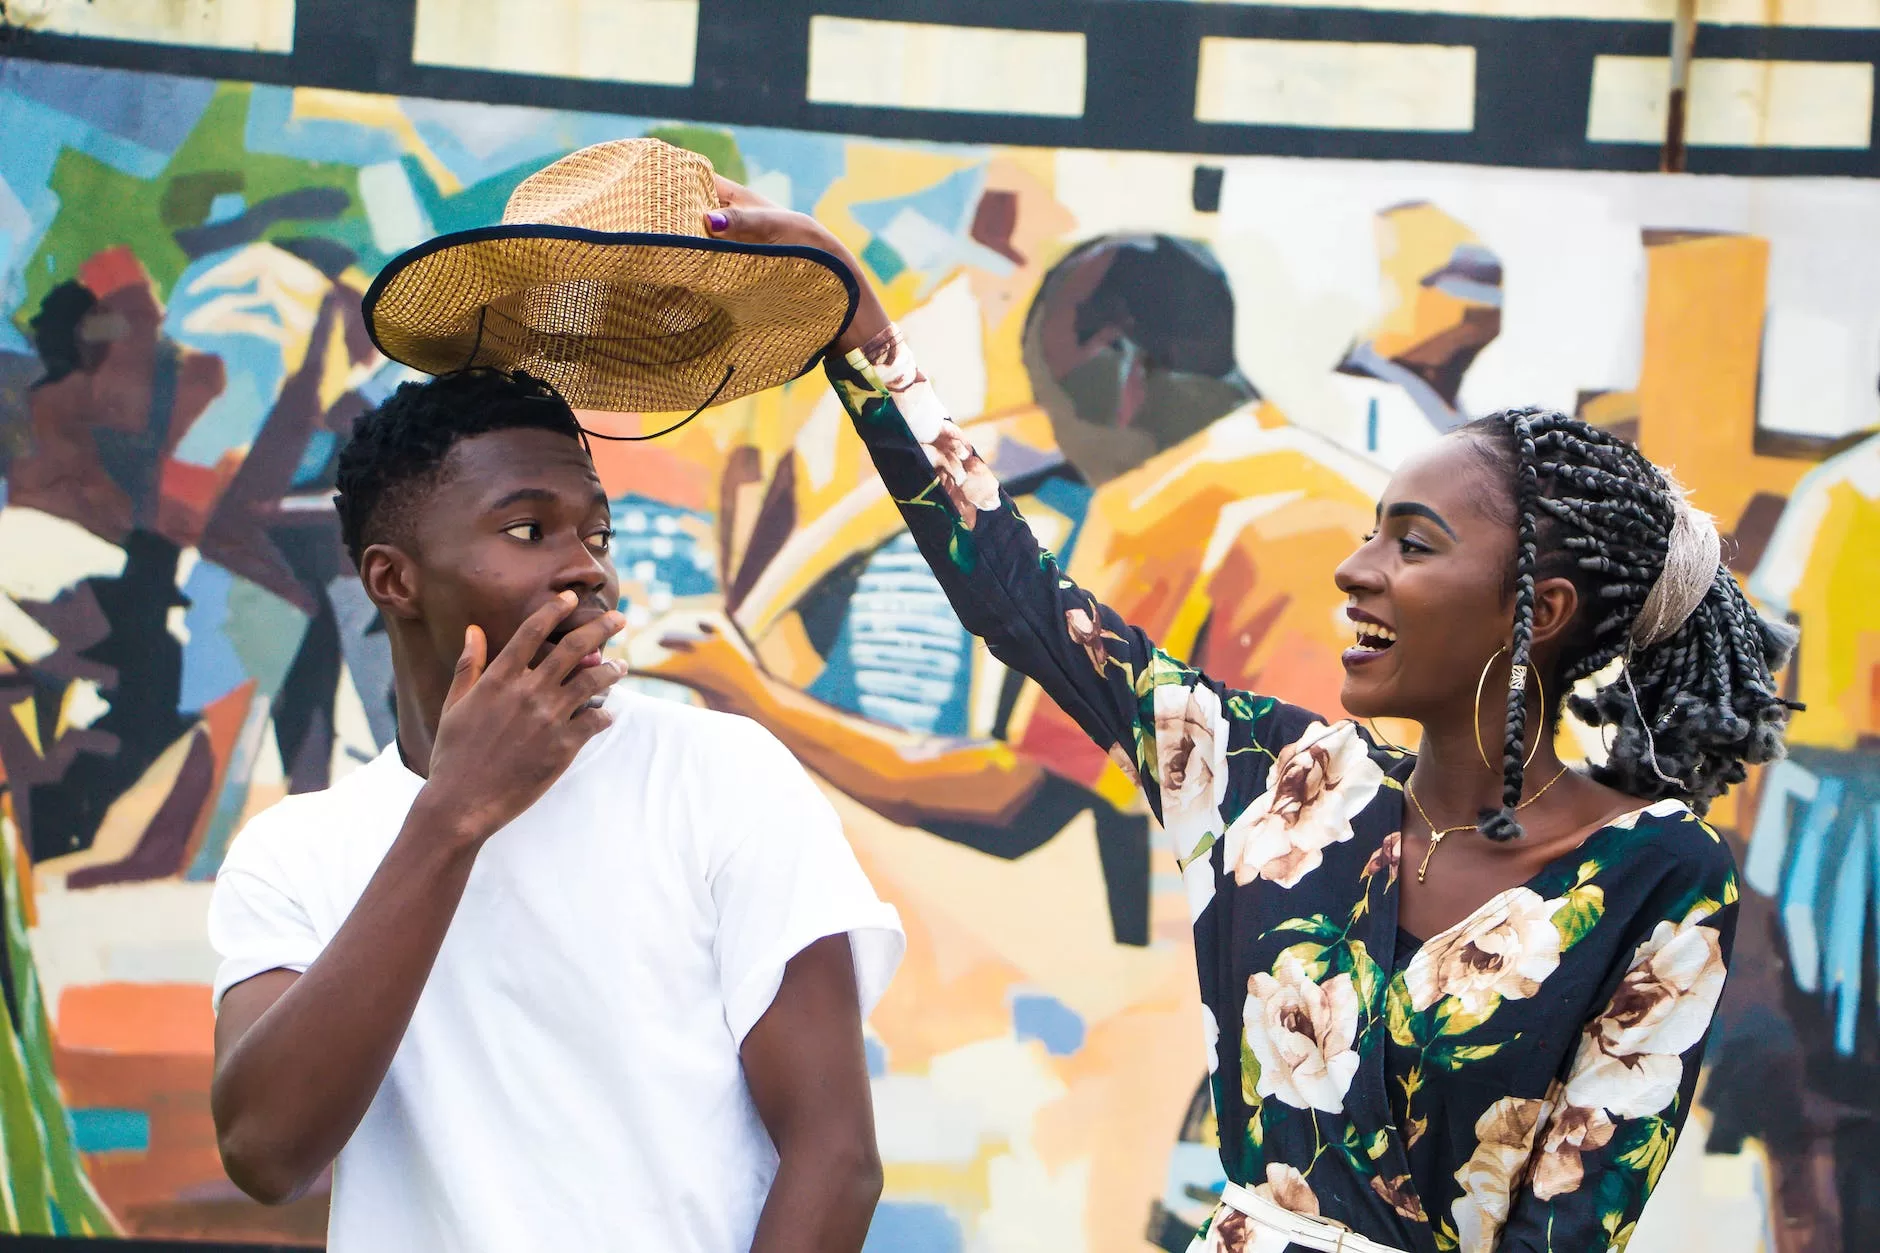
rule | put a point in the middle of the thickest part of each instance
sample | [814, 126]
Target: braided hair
[397, 451]
[1690, 711]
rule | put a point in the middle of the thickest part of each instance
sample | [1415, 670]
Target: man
[564, 967]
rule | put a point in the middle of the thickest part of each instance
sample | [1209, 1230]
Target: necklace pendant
[1436, 837]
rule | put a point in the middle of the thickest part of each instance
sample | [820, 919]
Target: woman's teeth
[1371, 635]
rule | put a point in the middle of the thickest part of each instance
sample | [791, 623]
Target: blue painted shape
[226, 207]
[312, 461]
[944, 203]
[901, 655]
[659, 547]
[1787, 785]
[1048, 1020]
[211, 667]
[1847, 927]
[156, 112]
[1071, 499]
[105, 1130]
[812, 161]
[1801, 894]
[1370, 425]
[254, 364]
[273, 128]
[912, 1227]
[883, 260]
[877, 1054]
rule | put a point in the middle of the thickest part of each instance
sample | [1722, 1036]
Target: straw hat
[601, 281]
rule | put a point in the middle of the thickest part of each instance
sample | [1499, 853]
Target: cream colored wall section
[629, 41]
[1362, 86]
[246, 25]
[966, 69]
[1743, 104]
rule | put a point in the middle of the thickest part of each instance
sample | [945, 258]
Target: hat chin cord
[630, 439]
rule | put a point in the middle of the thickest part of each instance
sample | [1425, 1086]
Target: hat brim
[626, 322]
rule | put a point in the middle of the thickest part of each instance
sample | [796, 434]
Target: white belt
[1322, 1234]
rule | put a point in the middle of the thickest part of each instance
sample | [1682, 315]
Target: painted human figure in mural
[1347, 1001]
[1129, 347]
[1442, 298]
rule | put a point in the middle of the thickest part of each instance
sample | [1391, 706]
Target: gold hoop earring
[1517, 682]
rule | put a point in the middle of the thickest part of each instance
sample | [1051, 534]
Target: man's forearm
[289, 1092]
[822, 1200]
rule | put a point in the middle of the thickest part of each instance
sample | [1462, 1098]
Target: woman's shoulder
[1671, 839]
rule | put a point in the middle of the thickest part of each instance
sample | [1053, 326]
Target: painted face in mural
[1429, 587]
[1129, 348]
[517, 517]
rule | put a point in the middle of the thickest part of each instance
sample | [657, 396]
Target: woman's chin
[1364, 696]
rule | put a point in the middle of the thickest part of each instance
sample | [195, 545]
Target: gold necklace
[1436, 837]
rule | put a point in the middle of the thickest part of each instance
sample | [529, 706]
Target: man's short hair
[396, 453]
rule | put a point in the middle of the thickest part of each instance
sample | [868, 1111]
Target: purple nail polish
[716, 220]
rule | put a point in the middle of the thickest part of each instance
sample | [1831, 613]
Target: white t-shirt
[570, 1078]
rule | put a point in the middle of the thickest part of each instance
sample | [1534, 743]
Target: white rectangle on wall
[962, 69]
[1358, 86]
[625, 41]
[247, 25]
[1735, 104]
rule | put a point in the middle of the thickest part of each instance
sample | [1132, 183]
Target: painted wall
[1197, 373]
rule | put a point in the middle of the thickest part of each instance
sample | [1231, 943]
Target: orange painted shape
[643, 469]
[1705, 304]
[112, 270]
[145, 1018]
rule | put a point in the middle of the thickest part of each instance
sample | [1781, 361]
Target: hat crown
[637, 185]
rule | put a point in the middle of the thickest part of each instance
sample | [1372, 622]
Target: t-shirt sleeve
[256, 923]
[782, 877]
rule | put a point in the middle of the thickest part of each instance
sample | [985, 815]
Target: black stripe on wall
[1532, 80]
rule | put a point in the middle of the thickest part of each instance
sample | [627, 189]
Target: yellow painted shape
[1414, 241]
[1045, 913]
[125, 822]
[964, 1188]
[1840, 651]
[1704, 311]
[379, 113]
[787, 653]
[24, 714]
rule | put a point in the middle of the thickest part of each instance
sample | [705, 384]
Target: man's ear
[391, 580]
[1556, 601]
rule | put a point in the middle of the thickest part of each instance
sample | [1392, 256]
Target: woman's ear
[1556, 601]
[391, 580]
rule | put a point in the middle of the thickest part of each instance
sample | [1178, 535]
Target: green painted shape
[47, 1190]
[144, 213]
[717, 146]
[265, 631]
[187, 199]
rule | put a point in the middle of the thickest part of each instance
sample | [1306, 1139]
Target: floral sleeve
[1607, 1128]
[1167, 726]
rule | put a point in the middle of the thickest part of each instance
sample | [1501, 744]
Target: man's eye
[601, 541]
[529, 532]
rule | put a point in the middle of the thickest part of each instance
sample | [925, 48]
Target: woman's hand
[748, 218]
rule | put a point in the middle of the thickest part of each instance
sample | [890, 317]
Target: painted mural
[1196, 375]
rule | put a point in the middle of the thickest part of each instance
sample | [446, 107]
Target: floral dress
[1513, 1083]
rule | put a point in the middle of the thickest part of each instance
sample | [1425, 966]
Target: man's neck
[419, 705]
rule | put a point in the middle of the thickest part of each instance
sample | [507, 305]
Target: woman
[1455, 1000]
